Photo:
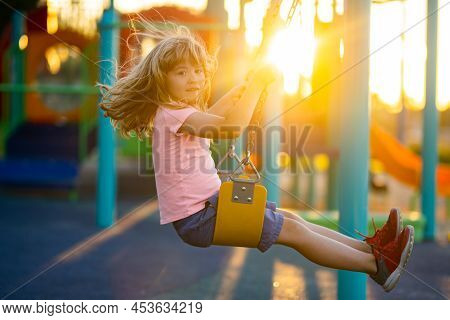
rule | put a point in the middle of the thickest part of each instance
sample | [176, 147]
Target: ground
[51, 249]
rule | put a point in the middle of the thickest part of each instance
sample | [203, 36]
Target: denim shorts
[198, 229]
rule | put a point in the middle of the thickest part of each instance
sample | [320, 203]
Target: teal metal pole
[354, 155]
[18, 70]
[430, 127]
[106, 180]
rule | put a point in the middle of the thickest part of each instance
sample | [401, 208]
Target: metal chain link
[255, 122]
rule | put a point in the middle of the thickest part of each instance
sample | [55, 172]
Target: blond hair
[132, 101]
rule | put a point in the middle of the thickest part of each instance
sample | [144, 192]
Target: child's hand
[237, 92]
[265, 75]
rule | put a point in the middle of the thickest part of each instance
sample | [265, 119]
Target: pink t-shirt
[185, 172]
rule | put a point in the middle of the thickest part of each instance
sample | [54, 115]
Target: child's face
[185, 81]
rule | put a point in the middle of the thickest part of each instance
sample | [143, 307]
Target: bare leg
[354, 243]
[323, 250]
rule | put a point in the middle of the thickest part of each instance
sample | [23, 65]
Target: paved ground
[139, 259]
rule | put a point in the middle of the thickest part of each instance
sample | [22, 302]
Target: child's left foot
[392, 258]
[388, 232]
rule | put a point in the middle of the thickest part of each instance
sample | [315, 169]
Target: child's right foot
[392, 258]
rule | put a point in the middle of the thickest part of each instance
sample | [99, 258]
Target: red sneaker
[388, 232]
[392, 259]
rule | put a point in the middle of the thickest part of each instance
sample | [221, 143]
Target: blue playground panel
[40, 140]
[39, 172]
[40, 154]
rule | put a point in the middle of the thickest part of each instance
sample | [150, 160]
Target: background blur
[50, 53]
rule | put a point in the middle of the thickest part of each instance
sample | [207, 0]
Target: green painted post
[354, 151]
[430, 127]
[106, 180]
[18, 70]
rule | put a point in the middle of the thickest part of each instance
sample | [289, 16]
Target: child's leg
[323, 250]
[354, 243]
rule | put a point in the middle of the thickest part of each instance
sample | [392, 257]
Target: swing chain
[255, 122]
[292, 11]
[257, 115]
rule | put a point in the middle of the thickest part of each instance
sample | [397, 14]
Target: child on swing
[165, 96]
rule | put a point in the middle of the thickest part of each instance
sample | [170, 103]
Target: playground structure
[403, 163]
[45, 141]
[58, 167]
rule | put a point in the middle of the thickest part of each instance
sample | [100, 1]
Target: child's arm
[226, 102]
[236, 118]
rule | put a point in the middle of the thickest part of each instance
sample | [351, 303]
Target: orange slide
[402, 163]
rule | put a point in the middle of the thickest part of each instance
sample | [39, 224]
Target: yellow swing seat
[240, 213]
